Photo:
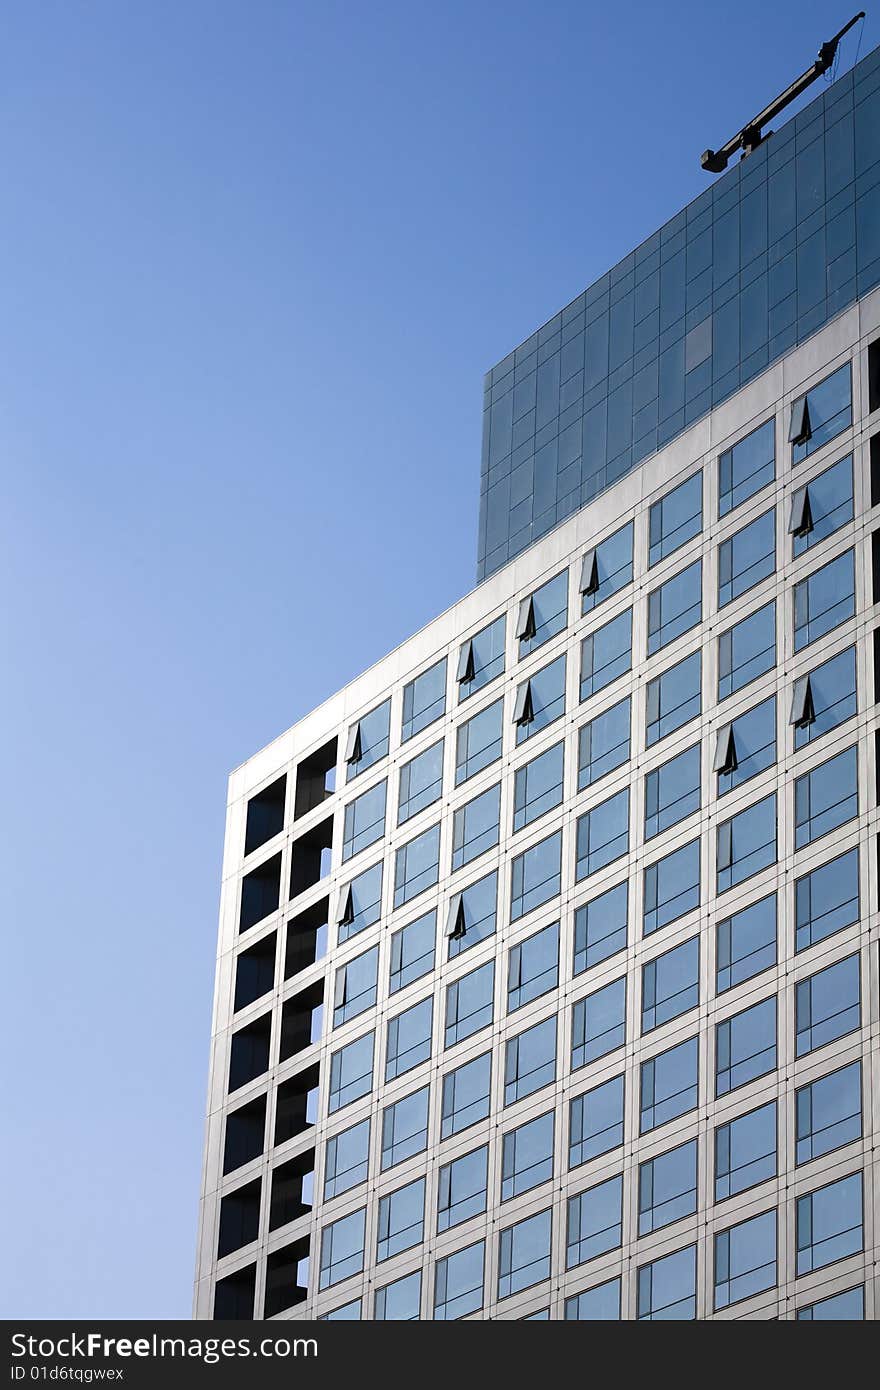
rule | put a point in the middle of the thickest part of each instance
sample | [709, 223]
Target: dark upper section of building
[772, 250]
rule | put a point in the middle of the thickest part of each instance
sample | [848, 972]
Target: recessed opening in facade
[296, 1104]
[245, 1136]
[260, 893]
[287, 1278]
[265, 815]
[315, 779]
[239, 1218]
[249, 1054]
[875, 567]
[306, 940]
[293, 1187]
[234, 1295]
[874, 375]
[310, 857]
[874, 448]
[302, 1018]
[255, 971]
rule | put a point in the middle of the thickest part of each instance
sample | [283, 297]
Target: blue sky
[255, 261]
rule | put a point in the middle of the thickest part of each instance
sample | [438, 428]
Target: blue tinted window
[527, 1156]
[421, 782]
[546, 699]
[401, 1219]
[424, 700]
[600, 928]
[481, 658]
[829, 1224]
[675, 607]
[355, 986]
[603, 834]
[824, 599]
[673, 698]
[826, 900]
[746, 746]
[458, 1283]
[822, 506]
[533, 967]
[670, 984]
[472, 915]
[746, 843]
[466, 1095]
[416, 866]
[478, 743]
[595, 1222]
[598, 1023]
[535, 875]
[606, 654]
[747, 650]
[462, 1188]
[405, 1128]
[828, 1113]
[746, 558]
[746, 943]
[839, 1307]
[828, 699]
[672, 887]
[409, 1039]
[596, 1122]
[668, 1085]
[667, 1288]
[603, 744]
[745, 1046]
[368, 740]
[475, 827]
[667, 1188]
[745, 1259]
[351, 1072]
[537, 786]
[825, 411]
[825, 798]
[342, 1249]
[524, 1254]
[599, 1304]
[361, 903]
[470, 1003]
[612, 570]
[672, 791]
[746, 467]
[400, 1301]
[364, 821]
[827, 1005]
[347, 1159]
[675, 519]
[412, 951]
[543, 614]
[530, 1061]
[745, 1151]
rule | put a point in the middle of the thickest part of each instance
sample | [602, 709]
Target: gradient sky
[254, 261]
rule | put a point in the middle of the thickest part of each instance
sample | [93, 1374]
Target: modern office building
[547, 979]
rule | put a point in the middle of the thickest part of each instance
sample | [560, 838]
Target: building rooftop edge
[711, 430]
[730, 176]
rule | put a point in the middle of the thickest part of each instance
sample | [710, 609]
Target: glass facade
[568, 979]
[768, 253]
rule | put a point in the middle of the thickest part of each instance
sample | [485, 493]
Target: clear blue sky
[255, 260]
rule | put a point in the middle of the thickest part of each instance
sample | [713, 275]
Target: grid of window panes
[621, 870]
[769, 252]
